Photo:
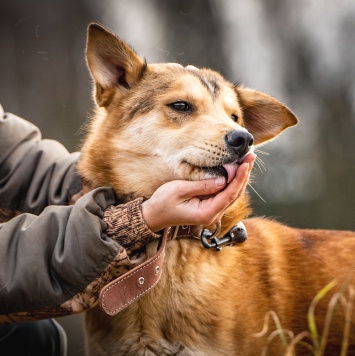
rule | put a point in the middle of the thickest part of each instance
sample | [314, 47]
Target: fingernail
[220, 181]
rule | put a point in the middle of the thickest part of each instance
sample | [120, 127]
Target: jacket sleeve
[125, 225]
[47, 259]
[34, 173]
[55, 259]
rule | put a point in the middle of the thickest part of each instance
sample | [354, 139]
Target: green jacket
[52, 250]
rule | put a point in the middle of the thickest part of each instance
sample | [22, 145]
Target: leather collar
[126, 289]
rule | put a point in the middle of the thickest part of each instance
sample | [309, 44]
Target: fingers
[175, 203]
[191, 189]
[241, 180]
[222, 200]
[220, 203]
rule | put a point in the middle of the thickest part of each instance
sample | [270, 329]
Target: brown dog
[160, 122]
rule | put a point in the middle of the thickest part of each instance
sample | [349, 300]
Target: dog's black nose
[240, 141]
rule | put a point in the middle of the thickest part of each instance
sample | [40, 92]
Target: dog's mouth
[228, 171]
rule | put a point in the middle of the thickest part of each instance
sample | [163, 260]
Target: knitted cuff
[127, 226]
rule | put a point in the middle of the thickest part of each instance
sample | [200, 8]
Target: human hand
[181, 203]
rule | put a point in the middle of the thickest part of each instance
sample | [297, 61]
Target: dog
[155, 123]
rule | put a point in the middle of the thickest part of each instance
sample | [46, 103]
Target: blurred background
[302, 52]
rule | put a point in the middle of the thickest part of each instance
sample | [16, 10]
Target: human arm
[70, 246]
[47, 257]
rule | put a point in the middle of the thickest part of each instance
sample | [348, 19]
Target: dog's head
[160, 122]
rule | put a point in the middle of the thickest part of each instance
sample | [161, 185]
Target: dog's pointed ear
[264, 116]
[114, 65]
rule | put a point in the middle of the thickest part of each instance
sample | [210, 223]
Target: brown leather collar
[126, 289]
[184, 232]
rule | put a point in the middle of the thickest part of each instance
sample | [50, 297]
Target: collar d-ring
[237, 234]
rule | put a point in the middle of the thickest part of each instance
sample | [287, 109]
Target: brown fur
[207, 302]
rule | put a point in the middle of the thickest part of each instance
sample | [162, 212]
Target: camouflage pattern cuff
[127, 226]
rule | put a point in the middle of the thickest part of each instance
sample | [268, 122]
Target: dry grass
[312, 339]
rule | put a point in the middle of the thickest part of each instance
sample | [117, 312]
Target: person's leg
[43, 337]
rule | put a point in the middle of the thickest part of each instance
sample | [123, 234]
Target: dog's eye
[181, 106]
[234, 117]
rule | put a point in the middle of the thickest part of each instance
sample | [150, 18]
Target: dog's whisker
[256, 193]
[260, 163]
[260, 166]
[257, 150]
[251, 178]
[260, 160]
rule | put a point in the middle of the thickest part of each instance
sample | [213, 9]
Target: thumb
[191, 189]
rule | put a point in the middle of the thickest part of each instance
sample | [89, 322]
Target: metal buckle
[237, 234]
